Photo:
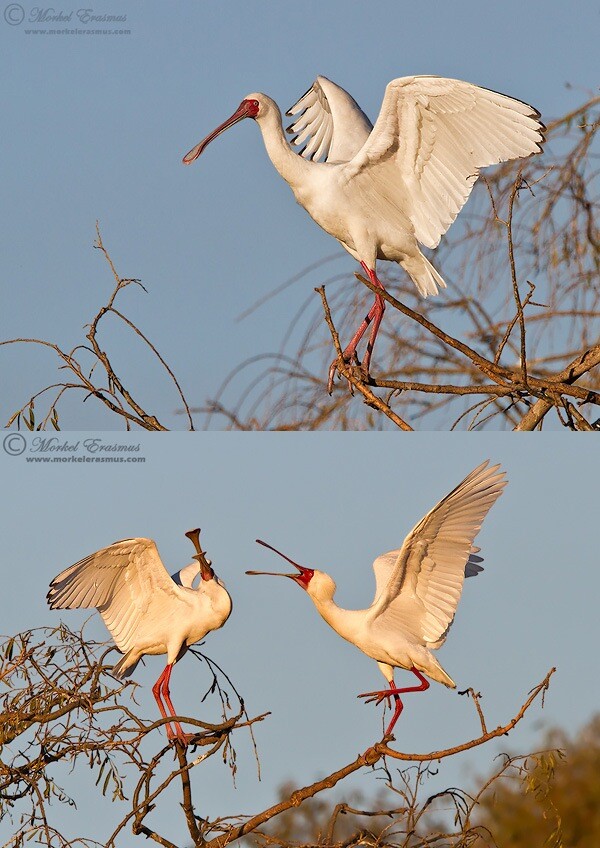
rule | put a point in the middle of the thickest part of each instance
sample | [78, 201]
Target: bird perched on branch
[146, 610]
[382, 190]
[418, 588]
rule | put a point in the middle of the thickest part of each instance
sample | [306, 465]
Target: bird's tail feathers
[436, 672]
[126, 665]
[423, 274]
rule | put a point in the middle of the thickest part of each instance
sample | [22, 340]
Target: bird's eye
[252, 108]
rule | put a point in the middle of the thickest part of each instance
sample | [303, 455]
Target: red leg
[375, 314]
[161, 687]
[156, 692]
[379, 307]
[394, 692]
[397, 710]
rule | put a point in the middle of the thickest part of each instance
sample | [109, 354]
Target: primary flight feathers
[419, 585]
[124, 581]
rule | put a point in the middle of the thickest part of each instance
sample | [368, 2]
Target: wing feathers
[121, 581]
[436, 134]
[331, 120]
[419, 586]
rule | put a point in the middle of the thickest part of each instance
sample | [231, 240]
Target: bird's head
[316, 583]
[255, 105]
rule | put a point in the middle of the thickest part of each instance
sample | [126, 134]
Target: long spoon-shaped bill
[246, 109]
[203, 561]
[302, 579]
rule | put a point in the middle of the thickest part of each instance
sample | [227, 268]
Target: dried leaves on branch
[514, 337]
[62, 710]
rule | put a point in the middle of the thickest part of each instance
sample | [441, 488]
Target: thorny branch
[61, 705]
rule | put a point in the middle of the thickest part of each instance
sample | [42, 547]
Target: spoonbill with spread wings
[146, 610]
[418, 588]
[382, 190]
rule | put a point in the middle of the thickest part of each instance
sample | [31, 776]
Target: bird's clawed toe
[185, 740]
[365, 373]
[374, 697]
[359, 371]
[178, 737]
[333, 369]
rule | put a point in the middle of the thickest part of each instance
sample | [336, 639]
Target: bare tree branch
[112, 394]
[61, 704]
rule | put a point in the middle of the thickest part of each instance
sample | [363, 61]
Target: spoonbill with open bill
[146, 610]
[418, 588]
[382, 190]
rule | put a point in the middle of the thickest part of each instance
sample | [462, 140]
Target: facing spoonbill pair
[381, 190]
[418, 589]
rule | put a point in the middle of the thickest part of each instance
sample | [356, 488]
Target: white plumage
[418, 587]
[381, 190]
[146, 610]
[331, 123]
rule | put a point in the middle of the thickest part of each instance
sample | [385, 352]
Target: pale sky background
[332, 501]
[95, 128]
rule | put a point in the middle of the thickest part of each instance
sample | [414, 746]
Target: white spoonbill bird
[418, 588]
[381, 190]
[146, 610]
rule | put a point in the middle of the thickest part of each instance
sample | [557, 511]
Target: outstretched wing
[419, 586]
[430, 140]
[122, 581]
[331, 123]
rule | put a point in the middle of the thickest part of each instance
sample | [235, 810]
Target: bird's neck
[341, 620]
[219, 602]
[290, 166]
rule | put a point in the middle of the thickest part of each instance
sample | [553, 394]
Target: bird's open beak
[302, 579]
[243, 111]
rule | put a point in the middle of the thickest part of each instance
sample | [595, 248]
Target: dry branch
[107, 387]
[61, 704]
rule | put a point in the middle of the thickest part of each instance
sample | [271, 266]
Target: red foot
[394, 692]
[181, 737]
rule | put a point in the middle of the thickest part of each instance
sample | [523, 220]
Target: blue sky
[332, 501]
[97, 125]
